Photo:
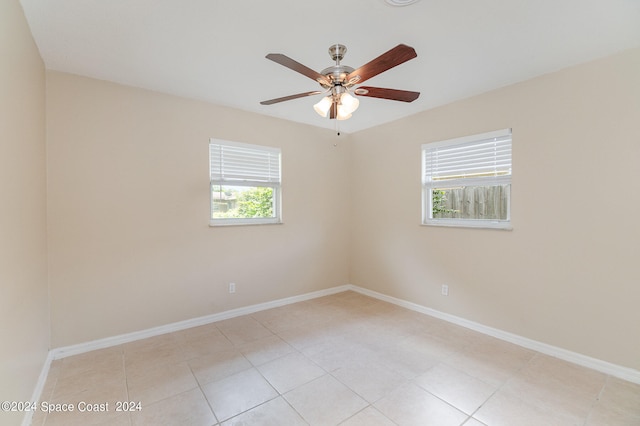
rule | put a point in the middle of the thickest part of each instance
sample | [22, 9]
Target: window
[245, 183]
[467, 181]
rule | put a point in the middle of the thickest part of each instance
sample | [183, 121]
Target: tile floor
[344, 359]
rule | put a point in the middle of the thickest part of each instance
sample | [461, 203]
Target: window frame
[247, 181]
[429, 185]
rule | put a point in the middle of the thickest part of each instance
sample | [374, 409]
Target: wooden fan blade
[394, 57]
[290, 97]
[391, 94]
[298, 67]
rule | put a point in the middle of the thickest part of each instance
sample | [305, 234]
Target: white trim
[615, 370]
[469, 138]
[80, 348]
[470, 223]
[37, 391]
[237, 221]
[618, 371]
[272, 149]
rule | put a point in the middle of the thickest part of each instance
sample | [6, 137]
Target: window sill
[501, 226]
[218, 224]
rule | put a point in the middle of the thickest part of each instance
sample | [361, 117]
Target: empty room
[363, 212]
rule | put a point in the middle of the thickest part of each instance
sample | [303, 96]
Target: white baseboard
[624, 373]
[615, 370]
[80, 348]
[37, 392]
[62, 352]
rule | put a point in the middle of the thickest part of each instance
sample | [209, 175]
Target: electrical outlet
[232, 287]
[445, 290]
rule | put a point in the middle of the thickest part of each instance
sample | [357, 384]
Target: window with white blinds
[243, 163]
[467, 181]
[245, 183]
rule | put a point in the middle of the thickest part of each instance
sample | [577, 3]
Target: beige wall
[24, 317]
[130, 246]
[568, 273]
[129, 239]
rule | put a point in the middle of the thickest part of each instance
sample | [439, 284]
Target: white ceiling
[213, 50]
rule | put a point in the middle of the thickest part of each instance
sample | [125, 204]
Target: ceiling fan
[338, 80]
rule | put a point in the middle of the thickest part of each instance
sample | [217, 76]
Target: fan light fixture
[337, 81]
[323, 106]
[346, 105]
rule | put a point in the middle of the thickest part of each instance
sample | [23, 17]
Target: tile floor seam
[294, 409]
[249, 409]
[514, 373]
[126, 383]
[597, 400]
[370, 405]
[502, 385]
[215, 416]
[545, 408]
[412, 381]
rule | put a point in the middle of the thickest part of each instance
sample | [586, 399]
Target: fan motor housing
[337, 74]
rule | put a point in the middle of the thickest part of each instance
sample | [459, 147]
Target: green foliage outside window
[256, 202]
[439, 200]
[242, 202]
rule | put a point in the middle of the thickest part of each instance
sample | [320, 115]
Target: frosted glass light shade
[343, 113]
[349, 103]
[323, 107]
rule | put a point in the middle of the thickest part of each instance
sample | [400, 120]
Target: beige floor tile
[243, 330]
[332, 354]
[102, 360]
[411, 357]
[37, 419]
[290, 371]
[302, 337]
[276, 412]
[238, 393]
[458, 336]
[100, 385]
[370, 380]
[323, 361]
[101, 392]
[150, 385]
[473, 422]
[11, 417]
[76, 418]
[604, 416]
[410, 405]
[557, 385]
[279, 319]
[505, 409]
[622, 396]
[188, 408]
[218, 365]
[265, 349]
[325, 401]
[197, 333]
[618, 405]
[459, 389]
[151, 352]
[491, 360]
[193, 346]
[368, 417]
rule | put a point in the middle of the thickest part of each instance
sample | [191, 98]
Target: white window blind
[238, 163]
[480, 157]
[466, 181]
